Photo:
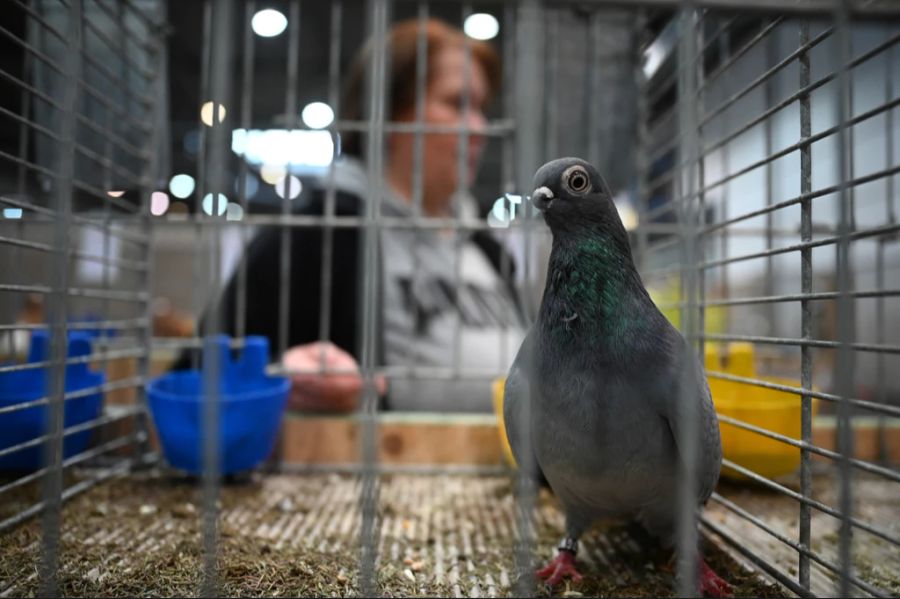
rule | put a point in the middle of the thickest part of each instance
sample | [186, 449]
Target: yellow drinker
[776, 411]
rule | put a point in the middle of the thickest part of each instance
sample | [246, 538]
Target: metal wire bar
[352, 222]
[768, 73]
[121, 469]
[98, 193]
[33, 51]
[376, 74]
[121, 296]
[118, 325]
[111, 386]
[123, 234]
[887, 473]
[869, 347]
[796, 297]
[113, 46]
[709, 78]
[89, 359]
[806, 414]
[247, 74]
[493, 128]
[833, 240]
[804, 196]
[55, 414]
[803, 142]
[689, 178]
[461, 185]
[134, 37]
[525, 106]
[145, 100]
[818, 505]
[880, 369]
[37, 18]
[151, 172]
[860, 403]
[801, 550]
[151, 25]
[85, 426]
[418, 175]
[76, 459]
[82, 120]
[125, 175]
[758, 561]
[219, 87]
[846, 310]
[803, 90]
[43, 247]
[663, 149]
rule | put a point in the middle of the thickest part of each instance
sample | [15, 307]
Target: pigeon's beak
[542, 198]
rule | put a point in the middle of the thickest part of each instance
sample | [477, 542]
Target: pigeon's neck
[593, 287]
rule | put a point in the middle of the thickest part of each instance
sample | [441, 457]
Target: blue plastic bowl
[26, 385]
[250, 411]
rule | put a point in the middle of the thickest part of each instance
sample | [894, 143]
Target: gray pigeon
[601, 368]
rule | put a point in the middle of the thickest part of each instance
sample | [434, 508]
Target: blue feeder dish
[21, 386]
[250, 409]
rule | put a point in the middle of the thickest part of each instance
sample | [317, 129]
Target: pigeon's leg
[711, 584]
[563, 565]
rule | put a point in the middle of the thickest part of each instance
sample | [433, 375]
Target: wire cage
[146, 145]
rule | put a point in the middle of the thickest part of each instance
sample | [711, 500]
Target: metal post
[805, 307]
[222, 20]
[846, 325]
[686, 176]
[528, 104]
[375, 113]
[53, 479]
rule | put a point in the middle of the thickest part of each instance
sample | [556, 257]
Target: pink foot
[562, 566]
[711, 584]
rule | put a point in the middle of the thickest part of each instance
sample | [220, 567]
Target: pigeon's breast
[602, 447]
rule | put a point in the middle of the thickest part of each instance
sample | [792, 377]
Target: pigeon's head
[571, 193]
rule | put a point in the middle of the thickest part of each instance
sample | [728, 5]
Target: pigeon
[599, 374]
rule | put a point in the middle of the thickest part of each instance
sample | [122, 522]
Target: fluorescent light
[182, 185]
[317, 115]
[219, 208]
[159, 203]
[283, 147]
[12, 213]
[481, 26]
[206, 113]
[268, 23]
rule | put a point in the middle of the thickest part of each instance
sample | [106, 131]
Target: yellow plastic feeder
[775, 411]
[497, 388]
[770, 409]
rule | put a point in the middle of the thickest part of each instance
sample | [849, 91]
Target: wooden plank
[402, 439]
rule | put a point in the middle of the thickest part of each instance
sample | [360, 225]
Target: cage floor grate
[291, 534]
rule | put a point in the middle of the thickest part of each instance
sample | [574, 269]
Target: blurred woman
[442, 295]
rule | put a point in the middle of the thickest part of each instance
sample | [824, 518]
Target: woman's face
[444, 105]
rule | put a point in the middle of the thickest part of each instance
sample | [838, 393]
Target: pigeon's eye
[577, 180]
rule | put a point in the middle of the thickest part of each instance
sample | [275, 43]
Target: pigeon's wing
[517, 397]
[686, 376]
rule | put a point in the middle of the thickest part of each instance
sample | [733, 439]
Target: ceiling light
[268, 23]
[481, 26]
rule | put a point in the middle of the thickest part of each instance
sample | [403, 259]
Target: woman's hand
[334, 388]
